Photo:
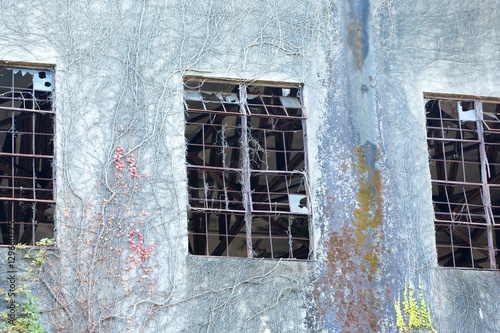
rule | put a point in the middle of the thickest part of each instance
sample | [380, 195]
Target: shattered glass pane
[259, 152]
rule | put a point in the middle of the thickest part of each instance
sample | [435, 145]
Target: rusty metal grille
[463, 137]
[247, 170]
[27, 156]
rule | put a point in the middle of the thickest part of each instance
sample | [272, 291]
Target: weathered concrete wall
[383, 56]
[364, 66]
[429, 47]
[119, 69]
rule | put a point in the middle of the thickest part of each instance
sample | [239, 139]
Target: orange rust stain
[371, 81]
[358, 47]
[354, 39]
[353, 258]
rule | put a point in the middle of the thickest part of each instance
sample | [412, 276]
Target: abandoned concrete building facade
[266, 166]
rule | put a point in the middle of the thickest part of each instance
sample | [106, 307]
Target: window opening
[463, 137]
[27, 154]
[247, 170]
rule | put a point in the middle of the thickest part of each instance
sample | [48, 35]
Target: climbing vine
[27, 318]
[412, 316]
[121, 261]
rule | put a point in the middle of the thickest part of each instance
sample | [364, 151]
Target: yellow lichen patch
[368, 217]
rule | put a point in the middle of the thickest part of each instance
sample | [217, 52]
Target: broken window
[464, 138]
[247, 170]
[27, 156]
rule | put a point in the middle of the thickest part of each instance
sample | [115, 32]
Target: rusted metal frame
[463, 98]
[12, 219]
[288, 137]
[468, 226]
[211, 172]
[197, 147]
[492, 156]
[465, 125]
[208, 182]
[450, 153]
[266, 154]
[246, 146]
[213, 112]
[439, 149]
[454, 166]
[27, 65]
[444, 172]
[205, 221]
[454, 182]
[236, 81]
[472, 244]
[220, 182]
[239, 223]
[268, 193]
[193, 184]
[284, 150]
[443, 217]
[270, 236]
[234, 157]
[475, 194]
[263, 152]
[260, 155]
[455, 223]
[304, 241]
[198, 242]
[196, 119]
[446, 256]
[13, 145]
[211, 168]
[12, 226]
[8, 108]
[225, 186]
[485, 122]
[465, 129]
[262, 105]
[223, 225]
[27, 200]
[289, 232]
[237, 114]
[31, 228]
[274, 212]
[279, 142]
[285, 115]
[275, 182]
[193, 142]
[26, 113]
[441, 172]
[484, 178]
[26, 155]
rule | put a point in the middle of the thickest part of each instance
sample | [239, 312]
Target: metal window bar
[465, 199]
[277, 113]
[27, 195]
